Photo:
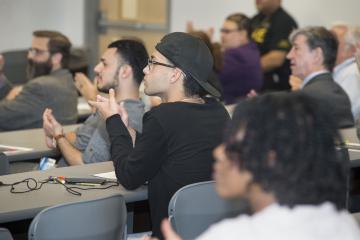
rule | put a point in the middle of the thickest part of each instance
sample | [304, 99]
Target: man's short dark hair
[287, 142]
[132, 52]
[322, 38]
[58, 43]
[192, 87]
[241, 20]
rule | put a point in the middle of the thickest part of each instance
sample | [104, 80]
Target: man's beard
[37, 69]
[114, 84]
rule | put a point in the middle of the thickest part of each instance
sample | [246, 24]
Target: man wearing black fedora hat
[175, 147]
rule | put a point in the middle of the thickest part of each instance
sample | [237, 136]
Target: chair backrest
[4, 164]
[195, 207]
[343, 155]
[5, 234]
[103, 218]
[15, 65]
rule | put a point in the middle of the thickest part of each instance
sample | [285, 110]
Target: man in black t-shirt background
[270, 29]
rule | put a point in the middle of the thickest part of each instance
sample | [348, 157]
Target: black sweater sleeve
[136, 165]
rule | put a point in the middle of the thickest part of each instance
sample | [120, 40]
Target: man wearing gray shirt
[50, 85]
[119, 68]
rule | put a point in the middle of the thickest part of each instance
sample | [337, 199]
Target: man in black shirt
[270, 29]
[175, 147]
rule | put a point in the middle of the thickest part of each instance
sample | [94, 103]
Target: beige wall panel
[153, 11]
[150, 38]
[111, 9]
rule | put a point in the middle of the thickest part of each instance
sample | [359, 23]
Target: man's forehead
[40, 42]
[299, 39]
[109, 54]
[157, 55]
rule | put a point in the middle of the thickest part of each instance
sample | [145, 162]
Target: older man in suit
[312, 59]
[50, 86]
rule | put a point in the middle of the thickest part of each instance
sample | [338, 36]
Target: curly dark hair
[132, 52]
[288, 142]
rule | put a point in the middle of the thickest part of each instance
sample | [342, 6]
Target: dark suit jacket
[56, 91]
[324, 88]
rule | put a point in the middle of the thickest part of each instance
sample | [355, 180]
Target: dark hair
[287, 142]
[132, 52]
[192, 87]
[241, 20]
[58, 43]
[322, 38]
[215, 49]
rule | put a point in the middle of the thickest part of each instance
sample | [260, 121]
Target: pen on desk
[88, 184]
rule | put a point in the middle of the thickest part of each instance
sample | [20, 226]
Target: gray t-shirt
[92, 138]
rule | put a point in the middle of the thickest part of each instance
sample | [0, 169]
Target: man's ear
[177, 75]
[56, 59]
[319, 56]
[125, 71]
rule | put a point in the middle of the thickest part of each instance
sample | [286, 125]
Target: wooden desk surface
[30, 138]
[22, 206]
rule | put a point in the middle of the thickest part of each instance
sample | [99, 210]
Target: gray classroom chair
[357, 217]
[5, 234]
[15, 65]
[4, 164]
[103, 218]
[195, 207]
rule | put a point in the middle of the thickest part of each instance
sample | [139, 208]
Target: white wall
[211, 13]
[19, 18]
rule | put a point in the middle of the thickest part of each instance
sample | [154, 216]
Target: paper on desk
[108, 175]
[13, 149]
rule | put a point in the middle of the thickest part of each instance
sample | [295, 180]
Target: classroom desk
[30, 138]
[23, 206]
[353, 145]
[350, 138]
[354, 155]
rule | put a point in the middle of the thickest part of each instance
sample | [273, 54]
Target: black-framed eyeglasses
[152, 62]
[227, 31]
[36, 51]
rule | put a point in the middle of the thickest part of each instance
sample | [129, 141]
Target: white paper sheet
[8, 150]
[108, 175]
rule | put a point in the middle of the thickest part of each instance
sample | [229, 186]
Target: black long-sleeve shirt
[174, 150]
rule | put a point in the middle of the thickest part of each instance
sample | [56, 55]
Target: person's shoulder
[229, 229]
[164, 108]
[282, 15]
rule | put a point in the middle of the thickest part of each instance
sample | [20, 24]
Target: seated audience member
[291, 176]
[346, 72]
[312, 59]
[241, 70]
[50, 85]
[270, 29]
[178, 136]
[120, 68]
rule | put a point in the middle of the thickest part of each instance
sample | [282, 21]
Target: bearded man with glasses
[50, 85]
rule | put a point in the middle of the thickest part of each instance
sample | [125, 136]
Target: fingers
[94, 104]
[106, 107]
[112, 95]
[167, 231]
[252, 93]
[100, 98]
[189, 26]
[123, 114]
